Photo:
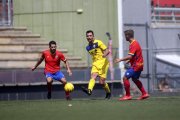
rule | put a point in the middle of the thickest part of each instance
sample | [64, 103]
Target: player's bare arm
[105, 52]
[129, 57]
[38, 62]
[67, 67]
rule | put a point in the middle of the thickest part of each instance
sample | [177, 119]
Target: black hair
[52, 42]
[89, 31]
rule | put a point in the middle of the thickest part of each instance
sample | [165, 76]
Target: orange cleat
[125, 98]
[145, 96]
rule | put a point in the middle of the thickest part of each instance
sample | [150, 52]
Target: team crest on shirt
[91, 48]
[94, 46]
[56, 56]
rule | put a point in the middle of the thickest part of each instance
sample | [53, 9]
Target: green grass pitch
[155, 108]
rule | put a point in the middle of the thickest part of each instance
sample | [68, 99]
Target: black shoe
[49, 95]
[108, 96]
[87, 91]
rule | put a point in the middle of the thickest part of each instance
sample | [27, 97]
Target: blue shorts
[130, 73]
[56, 76]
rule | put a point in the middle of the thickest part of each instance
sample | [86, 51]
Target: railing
[165, 14]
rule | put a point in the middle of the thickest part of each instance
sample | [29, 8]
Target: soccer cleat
[85, 90]
[49, 95]
[145, 96]
[125, 98]
[108, 96]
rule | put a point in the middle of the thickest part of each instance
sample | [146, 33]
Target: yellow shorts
[100, 67]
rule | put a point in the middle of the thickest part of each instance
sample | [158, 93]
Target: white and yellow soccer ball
[69, 87]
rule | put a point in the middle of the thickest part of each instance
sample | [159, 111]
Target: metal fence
[165, 14]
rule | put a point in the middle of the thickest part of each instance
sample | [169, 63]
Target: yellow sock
[91, 84]
[106, 88]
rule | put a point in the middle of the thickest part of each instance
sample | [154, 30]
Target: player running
[52, 71]
[136, 60]
[100, 64]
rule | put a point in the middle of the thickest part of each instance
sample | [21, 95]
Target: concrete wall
[59, 20]
[136, 11]
[40, 92]
[166, 37]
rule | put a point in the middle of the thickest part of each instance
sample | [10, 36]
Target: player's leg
[126, 83]
[91, 84]
[106, 87]
[139, 84]
[103, 75]
[49, 84]
[59, 76]
[94, 74]
[127, 76]
[63, 81]
[92, 81]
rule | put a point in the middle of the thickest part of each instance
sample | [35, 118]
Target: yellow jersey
[96, 51]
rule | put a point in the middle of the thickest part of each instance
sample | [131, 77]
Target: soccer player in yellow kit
[100, 64]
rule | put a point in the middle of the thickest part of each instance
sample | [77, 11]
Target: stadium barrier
[165, 14]
[25, 77]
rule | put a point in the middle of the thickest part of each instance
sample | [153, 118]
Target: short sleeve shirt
[52, 62]
[137, 57]
[96, 50]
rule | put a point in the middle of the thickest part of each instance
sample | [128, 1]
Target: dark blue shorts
[130, 73]
[56, 76]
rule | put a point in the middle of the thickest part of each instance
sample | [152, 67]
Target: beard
[53, 51]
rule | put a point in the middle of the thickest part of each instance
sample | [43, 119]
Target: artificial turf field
[154, 108]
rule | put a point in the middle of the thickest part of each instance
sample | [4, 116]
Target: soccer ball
[69, 87]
